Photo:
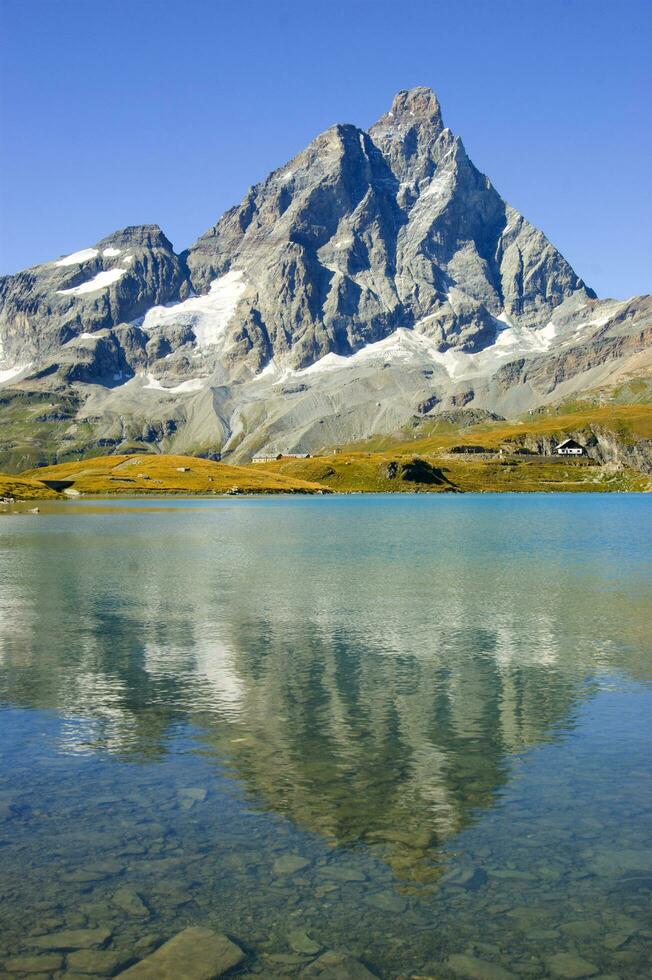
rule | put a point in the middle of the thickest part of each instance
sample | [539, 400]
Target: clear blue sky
[166, 111]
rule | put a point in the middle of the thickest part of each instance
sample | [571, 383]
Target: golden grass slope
[629, 422]
[381, 464]
[365, 472]
[144, 473]
[365, 466]
[23, 489]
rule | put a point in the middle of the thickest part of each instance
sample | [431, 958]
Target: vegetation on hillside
[31, 427]
[19, 488]
[631, 422]
[142, 473]
[386, 472]
[379, 463]
[427, 459]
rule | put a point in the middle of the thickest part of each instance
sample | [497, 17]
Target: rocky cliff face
[600, 443]
[376, 278]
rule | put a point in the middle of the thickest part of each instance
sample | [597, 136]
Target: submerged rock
[129, 901]
[191, 794]
[82, 876]
[339, 873]
[337, 966]
[387, 901]
[301, 942]
[39, 963]
[194, 954]
[470, 878]
[582, 928]
[96, 961]
[286, 959]
[621, 861]
[94, 872]
[473, 968]
[571, 966]
[72, 939]
[146, 945]
[289, 864]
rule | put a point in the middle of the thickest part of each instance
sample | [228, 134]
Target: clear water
[411, 728]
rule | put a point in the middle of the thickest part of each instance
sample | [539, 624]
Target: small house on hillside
[570, 448]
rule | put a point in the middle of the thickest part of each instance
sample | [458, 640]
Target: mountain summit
[408, 129]
[373, 274]
[363, 233]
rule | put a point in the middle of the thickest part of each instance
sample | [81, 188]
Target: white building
[569, 448]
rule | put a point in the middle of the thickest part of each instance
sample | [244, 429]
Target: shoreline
[32, 506]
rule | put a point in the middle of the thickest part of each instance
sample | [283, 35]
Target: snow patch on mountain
[101, 281]
[208, 315]
[441, 185]
[193, 384]
[76, 258]
[406, 345]
[9, 374]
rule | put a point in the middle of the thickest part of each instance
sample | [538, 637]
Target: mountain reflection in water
[365, 668]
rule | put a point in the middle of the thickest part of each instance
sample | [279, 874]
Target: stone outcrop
[600, 444]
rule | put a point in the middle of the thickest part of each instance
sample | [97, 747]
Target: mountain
[375, 279]
[363, 233]
[120, 278]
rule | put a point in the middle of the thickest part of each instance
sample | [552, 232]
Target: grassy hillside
[380, 463]
[37, 428]
[24, 489]
[167, 474]
[628, 422]
[419, 459]
[439, 472]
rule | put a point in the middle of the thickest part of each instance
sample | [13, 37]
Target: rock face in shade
[194, 954]
[375, 279]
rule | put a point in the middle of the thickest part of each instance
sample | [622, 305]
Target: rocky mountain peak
[407, 133]
[416, 105]
[361, 234]
[137, 236]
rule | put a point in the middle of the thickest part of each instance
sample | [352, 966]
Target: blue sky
[164, 111]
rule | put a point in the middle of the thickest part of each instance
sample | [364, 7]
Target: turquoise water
[414, 728]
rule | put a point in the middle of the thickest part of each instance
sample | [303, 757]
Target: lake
[413, 728]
